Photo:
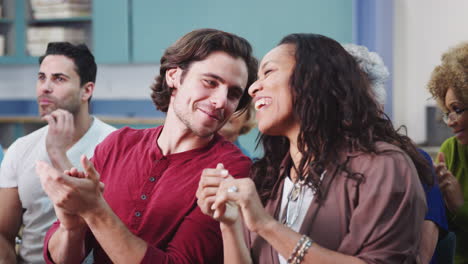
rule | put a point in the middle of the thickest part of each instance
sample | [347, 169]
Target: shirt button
[152, 179]
[143, 197]
[137, 214]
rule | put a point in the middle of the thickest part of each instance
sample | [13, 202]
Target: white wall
[423, 30]
[113, 81]
[17, 82]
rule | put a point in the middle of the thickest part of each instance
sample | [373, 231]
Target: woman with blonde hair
[449, 87]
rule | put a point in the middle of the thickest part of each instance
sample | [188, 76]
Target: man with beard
[65, 84]
[148, 211]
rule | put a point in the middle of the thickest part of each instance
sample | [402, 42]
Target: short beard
[72, 108]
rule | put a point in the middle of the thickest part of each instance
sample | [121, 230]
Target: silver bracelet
[305, 246]
[300, 250]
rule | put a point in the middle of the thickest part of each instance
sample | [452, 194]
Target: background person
[449, 87]
[239, 124]
[435, 224]
[65, 84]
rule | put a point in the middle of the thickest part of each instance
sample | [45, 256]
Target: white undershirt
[308, 196]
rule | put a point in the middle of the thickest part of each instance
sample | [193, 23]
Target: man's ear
[173, 77]
[87, 91]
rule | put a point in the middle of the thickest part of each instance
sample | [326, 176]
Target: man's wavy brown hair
[196, 46]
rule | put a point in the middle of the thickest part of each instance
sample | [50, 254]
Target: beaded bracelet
[303, 250]
[296, 249]
[300, 250]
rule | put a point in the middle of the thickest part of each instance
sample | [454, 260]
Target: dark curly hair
[337, 112]
[196, 46]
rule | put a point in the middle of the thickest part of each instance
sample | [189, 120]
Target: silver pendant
[295, 192]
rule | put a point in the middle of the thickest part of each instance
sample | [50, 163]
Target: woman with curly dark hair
[337, 183]
[449, 86]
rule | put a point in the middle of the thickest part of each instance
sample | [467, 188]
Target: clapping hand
[73, 193]
[449, 185]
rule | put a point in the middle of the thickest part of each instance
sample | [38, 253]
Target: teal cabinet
[106, 29]
[111, 31]
[157, 24]
[138, 31]
[13, 28]
[17, 18]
